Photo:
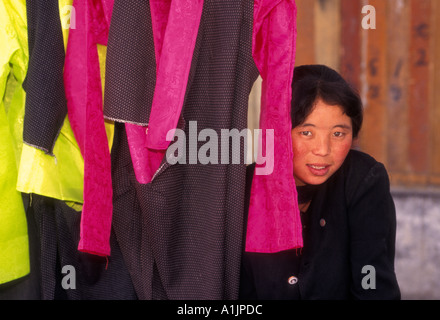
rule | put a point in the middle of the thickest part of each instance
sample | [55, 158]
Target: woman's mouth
[319, 169]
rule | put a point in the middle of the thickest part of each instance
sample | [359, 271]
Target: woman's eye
[338, 134]
[305, 133]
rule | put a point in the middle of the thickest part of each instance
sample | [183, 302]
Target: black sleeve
[46, 104]
[247, 286]
[372, 218]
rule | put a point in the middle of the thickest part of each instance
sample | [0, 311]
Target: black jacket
[181, 234]
[350, 229]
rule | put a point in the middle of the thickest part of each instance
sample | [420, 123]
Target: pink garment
[84, 101]
[274, 222]
[175, 27]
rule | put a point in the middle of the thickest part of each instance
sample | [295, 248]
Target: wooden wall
[395, 67]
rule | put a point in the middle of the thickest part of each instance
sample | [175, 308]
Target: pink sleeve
[175, 28]
[146, 161]
[84, 101]
[274, 222]
[173, 69]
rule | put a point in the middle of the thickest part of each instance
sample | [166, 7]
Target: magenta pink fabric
[175, 27]
[84, 101]
[274, 222]
[147, 161]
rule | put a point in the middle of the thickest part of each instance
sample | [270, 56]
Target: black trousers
[53, 229]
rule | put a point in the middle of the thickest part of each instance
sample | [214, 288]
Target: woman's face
[321, 144]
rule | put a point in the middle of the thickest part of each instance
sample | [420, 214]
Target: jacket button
[322, 222]
[292, 280]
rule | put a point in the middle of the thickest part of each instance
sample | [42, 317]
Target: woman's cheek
[299, 164]
[300, 149]
[341, 151]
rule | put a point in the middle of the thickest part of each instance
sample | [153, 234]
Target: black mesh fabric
[187, 224]
[46, 105]
[130, 65]
[96, 278]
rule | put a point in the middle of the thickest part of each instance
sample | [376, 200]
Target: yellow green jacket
[14, 245]
[62, 176]
[25, 169]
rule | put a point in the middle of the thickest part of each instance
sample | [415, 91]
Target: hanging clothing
[136, 72]
[59, 176]
[65, 272]
[274, 222]
[28, 287]
[14, 245]
[187, 220]
[82, 77]
[46, 105]
[175, 27]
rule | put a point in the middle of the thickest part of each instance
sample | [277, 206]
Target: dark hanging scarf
[46, 106]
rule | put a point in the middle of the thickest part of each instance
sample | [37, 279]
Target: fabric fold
[175, 27]
[82, 77]
[173, 70]
[274, 222]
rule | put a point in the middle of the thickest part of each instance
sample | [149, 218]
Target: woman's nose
[321, 146]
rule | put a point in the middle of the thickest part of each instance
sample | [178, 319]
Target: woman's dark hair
[311, 82]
